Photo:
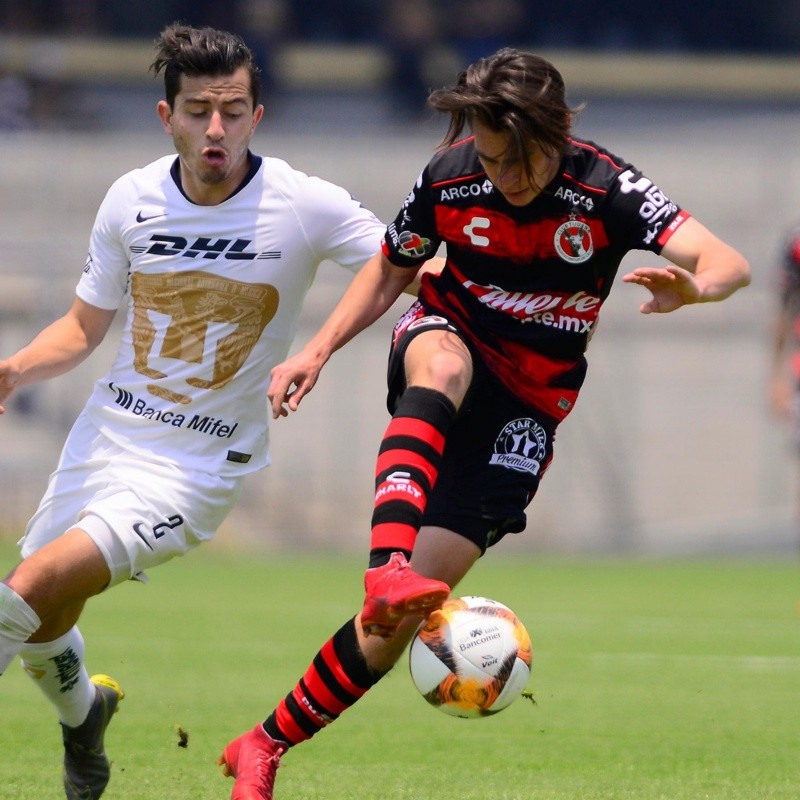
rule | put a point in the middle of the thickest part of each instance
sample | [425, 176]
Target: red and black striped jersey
[790, 272]
[789, 289]
[525, 284]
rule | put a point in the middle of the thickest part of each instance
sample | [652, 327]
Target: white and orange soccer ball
[471, 658]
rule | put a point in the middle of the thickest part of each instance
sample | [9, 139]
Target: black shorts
[497, 449]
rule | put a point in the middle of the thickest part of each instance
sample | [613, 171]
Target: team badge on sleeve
[413, 245]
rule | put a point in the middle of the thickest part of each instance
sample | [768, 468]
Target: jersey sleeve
[639, 215]
[338, 227]
[105, 274]
[413, 236]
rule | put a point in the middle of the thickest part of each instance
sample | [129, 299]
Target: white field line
[750, 663]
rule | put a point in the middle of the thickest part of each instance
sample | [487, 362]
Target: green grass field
[653, 681]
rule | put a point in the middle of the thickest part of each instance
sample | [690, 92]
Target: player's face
[506, 172]
[211, 123]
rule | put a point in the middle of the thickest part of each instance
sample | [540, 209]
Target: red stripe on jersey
[493, 233]
[573, 179]
[417, 429]
[393, 535]
[523, 371]
[459, 179]
[394, 459]
[666, 234]
[586, 146]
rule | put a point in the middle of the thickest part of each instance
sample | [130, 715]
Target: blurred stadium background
[671, 449]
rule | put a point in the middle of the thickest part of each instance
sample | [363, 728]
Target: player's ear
[165, 115]
[258, 112]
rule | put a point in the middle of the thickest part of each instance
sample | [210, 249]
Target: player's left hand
[671, 287]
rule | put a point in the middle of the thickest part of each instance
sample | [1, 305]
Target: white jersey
[214, 297]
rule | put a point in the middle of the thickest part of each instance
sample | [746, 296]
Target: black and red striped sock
[336, 679]
[406, 470]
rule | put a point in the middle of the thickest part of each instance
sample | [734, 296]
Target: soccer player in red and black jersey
[486, 363]
[784, 375]
[785, 367]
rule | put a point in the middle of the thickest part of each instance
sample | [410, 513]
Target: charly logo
[573, 241]
[478, 224]
[521, 446]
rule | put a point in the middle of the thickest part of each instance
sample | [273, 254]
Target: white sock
[18, 622]
[57, 669]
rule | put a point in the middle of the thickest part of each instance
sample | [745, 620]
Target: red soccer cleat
[395, 591]
[252, 759]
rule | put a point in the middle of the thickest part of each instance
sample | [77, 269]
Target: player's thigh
[496, 453]
[153, 521]
[139, 514]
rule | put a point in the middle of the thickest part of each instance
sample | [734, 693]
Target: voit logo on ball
[521, 446]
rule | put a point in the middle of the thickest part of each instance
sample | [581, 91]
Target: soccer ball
[471, 657]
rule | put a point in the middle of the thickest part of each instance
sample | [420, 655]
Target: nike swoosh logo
[141, 218]
[140, 534]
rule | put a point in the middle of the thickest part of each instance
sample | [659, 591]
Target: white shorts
[139, 513]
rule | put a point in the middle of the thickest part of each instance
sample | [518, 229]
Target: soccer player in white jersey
[213, 252]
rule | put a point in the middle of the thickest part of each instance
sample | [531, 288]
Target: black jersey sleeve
[413, 237]
[638, 214]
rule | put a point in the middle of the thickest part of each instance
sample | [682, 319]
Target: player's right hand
[9, 378]
[291, 381]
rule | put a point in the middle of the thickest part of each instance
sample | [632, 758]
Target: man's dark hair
[183, 50]
[510, 92]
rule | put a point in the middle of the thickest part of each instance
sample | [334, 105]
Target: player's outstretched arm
[370, 294]
[61, 346]
[704, 269]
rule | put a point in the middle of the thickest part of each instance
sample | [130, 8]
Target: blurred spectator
[411, 33]
[785, 348]
[338, 21]
[782, 25]
[15, 100]
[475, 27]
[478, 28]
[81, 16]
[21, 16]
[265, 25]
[53, 16]
[784, 365]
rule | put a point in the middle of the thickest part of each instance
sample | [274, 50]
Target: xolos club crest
[573, 241]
